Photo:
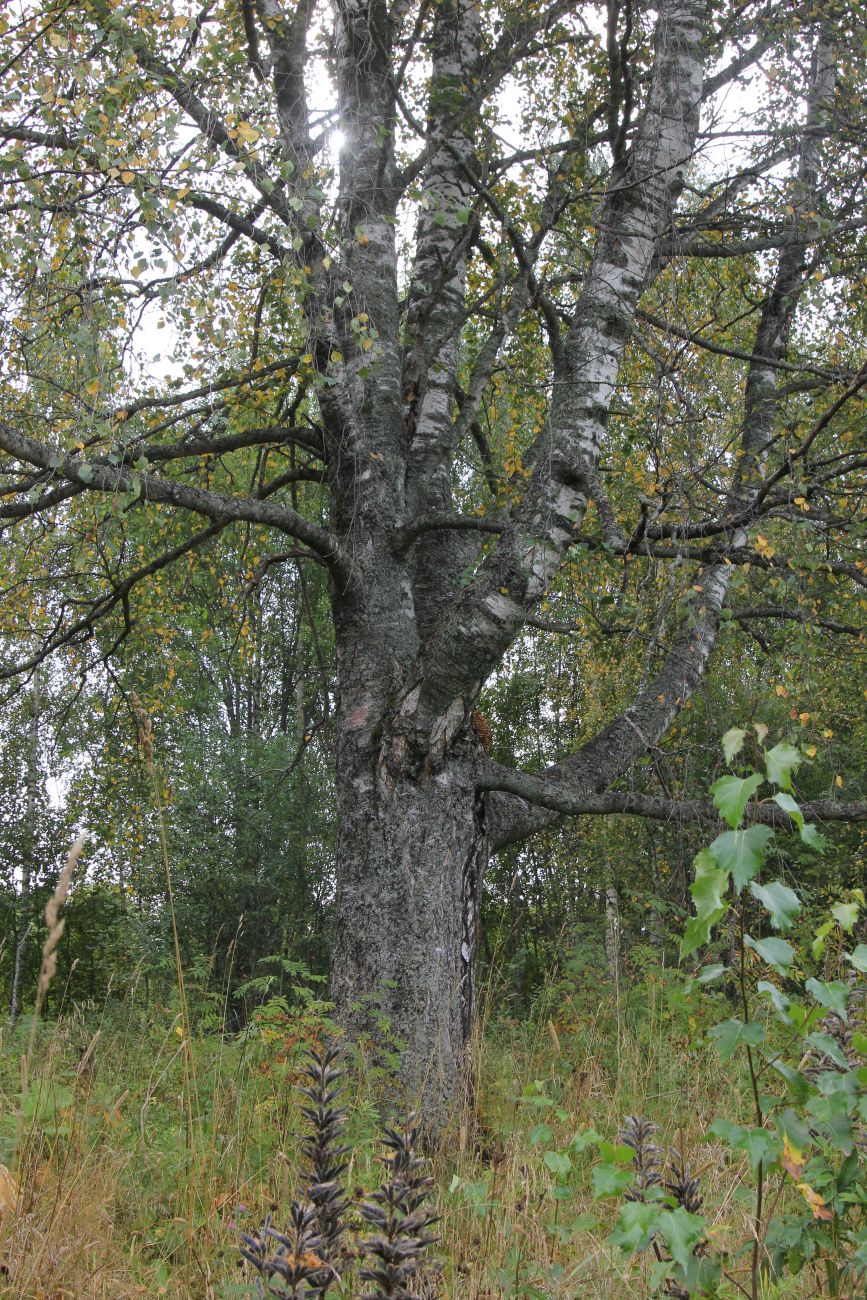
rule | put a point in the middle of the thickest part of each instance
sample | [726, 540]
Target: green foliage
[801, 1147]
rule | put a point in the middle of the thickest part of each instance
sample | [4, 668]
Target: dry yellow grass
[8, 1192]
[116, 1200]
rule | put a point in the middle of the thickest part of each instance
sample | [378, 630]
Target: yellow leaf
[811, 751]
[817, 1205]
[838, 781]
[247, 132]
[793, 1160]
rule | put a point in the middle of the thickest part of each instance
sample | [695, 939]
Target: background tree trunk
[612, 933]
[28, 855]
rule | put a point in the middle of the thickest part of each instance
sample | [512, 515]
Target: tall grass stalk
[146, 741]
[56, 925]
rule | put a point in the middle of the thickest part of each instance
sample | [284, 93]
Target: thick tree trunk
[411, 853]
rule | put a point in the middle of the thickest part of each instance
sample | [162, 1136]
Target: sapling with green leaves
[799, 1037]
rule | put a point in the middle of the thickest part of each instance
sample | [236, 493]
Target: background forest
[243, 726]
[320, 326]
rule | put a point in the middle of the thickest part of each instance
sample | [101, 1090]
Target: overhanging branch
[575, 800]
[99, 476]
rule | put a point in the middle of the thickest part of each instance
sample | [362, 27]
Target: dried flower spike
[325, 1152]
[296, 1268]
[397, 1212]
[637, 1133]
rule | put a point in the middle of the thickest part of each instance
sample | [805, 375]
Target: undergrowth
[667, 1137]
[120, 1197]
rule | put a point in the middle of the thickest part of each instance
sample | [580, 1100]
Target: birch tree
[403, 341]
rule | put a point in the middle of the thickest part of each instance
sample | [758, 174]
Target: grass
[142, 1153]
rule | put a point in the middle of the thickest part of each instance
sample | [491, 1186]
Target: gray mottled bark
[412, 854]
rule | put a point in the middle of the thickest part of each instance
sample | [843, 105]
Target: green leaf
[781, 903]
[790, 806]
[742, 852]
[807, 831]
[726, 1130]
[811, 837]
[636, 1225]
[733, 742]
[559, 1164]
[731, 794]
[776, 952]
[782, 1003]
[683, 1232]
[858, 958]
[710, 973]
[581, 1141]
[761, 1146]
[585, 1222]
[833, 994]
[609, 1180]
[846, 914]
[707, 891]
[615, 1153]
[798, 1133]
[829, 1047]
[798, 1086]
[85, 472]
[781, 762]
[731, 1034]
